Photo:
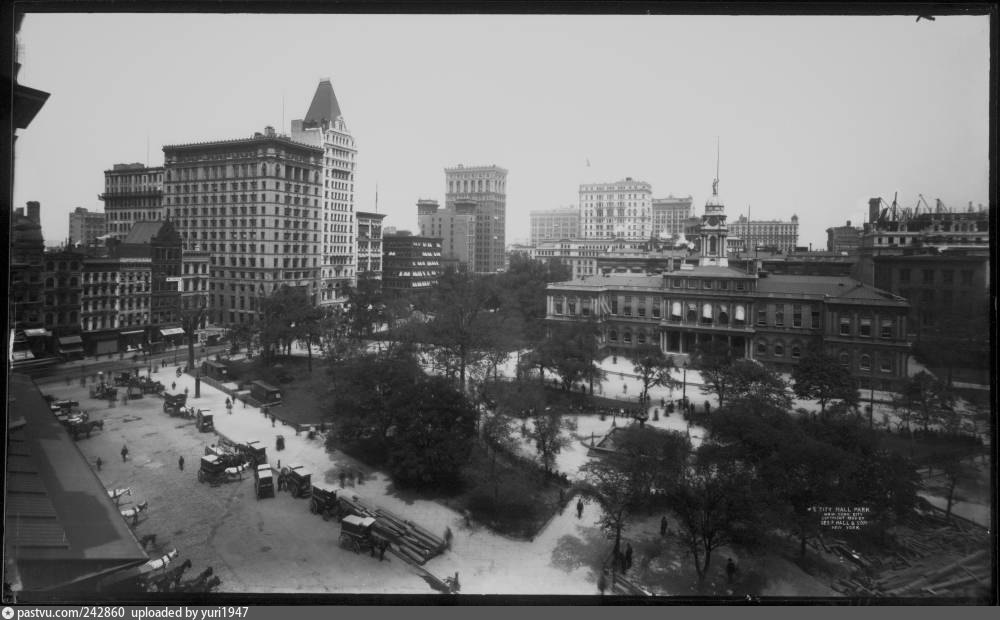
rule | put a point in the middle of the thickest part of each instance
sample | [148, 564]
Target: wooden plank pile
[409, 541]
[621, 585]
[921, 578]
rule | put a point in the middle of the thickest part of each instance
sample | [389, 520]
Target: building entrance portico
[677, 342]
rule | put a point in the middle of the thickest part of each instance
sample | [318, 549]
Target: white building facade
[623, 209]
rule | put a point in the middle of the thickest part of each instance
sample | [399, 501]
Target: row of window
[866, 327]
[947, 276]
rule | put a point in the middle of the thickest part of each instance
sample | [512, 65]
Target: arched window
[779, 349]
[796, 352]
[723, 315]
[613, 336]
[641, 337]
[761, 347]
[50, 283]
[843, 358]
[627, 338]
[865, 363]
[741, 314]
[706, 313]
[692, 313]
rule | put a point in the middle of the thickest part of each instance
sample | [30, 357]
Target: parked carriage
[173, 403]
[204, 421]
[212, 470]
[263, 481]
[356, 533]
[254, 451]
[296, 481]
[104, 391]
[323, 501]
[148, 386]
[123, 378]
[63, 406]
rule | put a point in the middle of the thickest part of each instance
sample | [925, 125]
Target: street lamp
[684, 387]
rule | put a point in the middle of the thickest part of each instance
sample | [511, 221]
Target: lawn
[302, 396]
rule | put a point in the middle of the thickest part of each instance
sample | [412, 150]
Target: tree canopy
[819, 376]
[654, 368]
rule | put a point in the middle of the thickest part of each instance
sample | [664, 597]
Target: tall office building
[255, 205]
[487, 186]
[370, 245]
[555, 224]
[324, 127]
[132, 193]
[843, 238]
[623, 209]
[455, 226]
[670, 214]
[86, 226]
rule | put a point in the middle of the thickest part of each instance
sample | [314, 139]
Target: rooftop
[844, 288]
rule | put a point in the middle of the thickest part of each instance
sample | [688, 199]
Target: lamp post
[684, 386]
[871, 397]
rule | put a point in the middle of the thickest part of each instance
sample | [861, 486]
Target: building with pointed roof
[324, 127]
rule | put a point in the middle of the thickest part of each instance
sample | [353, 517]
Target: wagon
[356, 533]
[254, 451]
[212, 470]
[205, 422]
[123, 378]
[172, 403]
[323, 501]
[298, 482]
[103, 391]
[263, 481]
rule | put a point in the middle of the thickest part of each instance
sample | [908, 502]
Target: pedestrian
[350, 476]
[180, 462]
[730, 570]
[628, 556]
[456, 586]
[342, 476]
[229, 403]
[663, 526]
[708, 407]
[381, 549]
[272, 421]
[173, 386]
[186, 390]
[124, 453]
[579, 508]
[244, 402]
[562, 493]
[99, 463]
[602, 583]
[447, 537]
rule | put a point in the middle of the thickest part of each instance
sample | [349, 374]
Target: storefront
[71, 347]
[134, 340]
[108, 345]
[172, 336]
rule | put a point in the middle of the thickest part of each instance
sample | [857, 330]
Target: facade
[100, 315]
[669, 215]
[843, 238]
[455, 226]
[132, 193]
[410, 262]
[771, 319]
[622, 209]
[195, 281]
[486, 186]
[255, 205]
[324, 127]
[586, 258]
[27, 257]
[773, 234]
[555, 224]
[86, 226]
[63, 281]
[370, 245]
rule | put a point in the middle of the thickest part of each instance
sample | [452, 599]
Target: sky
[812, 115]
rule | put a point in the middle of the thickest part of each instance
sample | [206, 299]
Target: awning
[70, 340]
[132, 333]
[25, 354]
[71, 349]
[172, 331]
[106, 346]
[36, 333]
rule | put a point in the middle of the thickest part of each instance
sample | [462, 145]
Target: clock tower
[713, 231]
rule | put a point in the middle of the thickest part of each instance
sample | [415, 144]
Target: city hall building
[769, 318]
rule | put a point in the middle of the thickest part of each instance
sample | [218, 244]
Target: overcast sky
[814, 114]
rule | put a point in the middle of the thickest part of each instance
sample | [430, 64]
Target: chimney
[873, 204]
[848, 223]
[33, 211]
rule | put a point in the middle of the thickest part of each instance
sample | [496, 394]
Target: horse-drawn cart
[174, 403]
[296, 481]
[263, 481]
[204, 421]
[212, 470]
[104, 391]
[253, 451]
[323, 501]
[356, 533]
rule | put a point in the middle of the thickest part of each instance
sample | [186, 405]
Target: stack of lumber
[622, 585]
[924, 578]
[409, 541]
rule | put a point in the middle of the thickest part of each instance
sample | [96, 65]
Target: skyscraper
[132, 193]
[86, 226]
[324, 127]
[487, 186]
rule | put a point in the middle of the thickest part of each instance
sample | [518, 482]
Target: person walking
[663, 526]
[342, 476]
[602, 583]
[124, 453]
[173, 386]
[628, 556]
[180, 462]
[579, 508]
[99, 463]
[730, 570]
[447, 538]
[381, 549]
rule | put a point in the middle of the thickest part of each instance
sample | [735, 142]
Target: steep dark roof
[143, 232]
[60, 525]
[839, 287]
[324, 105]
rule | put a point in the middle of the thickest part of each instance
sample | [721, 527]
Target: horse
[87, 427]
[211, 584]
[133, 513]
[237, 472]
[159, 562]
[193, 585]
[169, 580]
[117, 494]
